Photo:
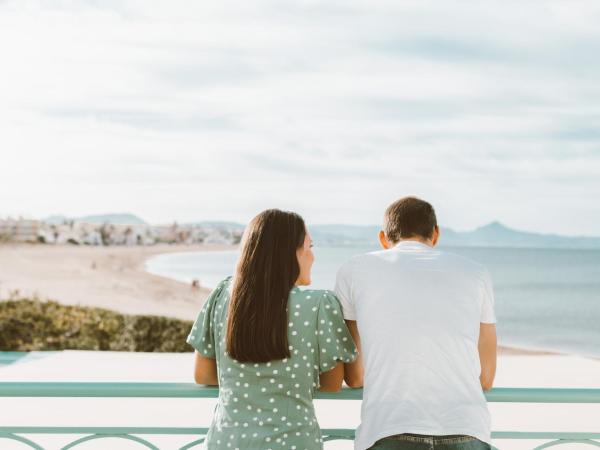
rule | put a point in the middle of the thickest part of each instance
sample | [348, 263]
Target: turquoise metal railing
[185, 390]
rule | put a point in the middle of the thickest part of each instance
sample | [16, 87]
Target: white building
[20, 230]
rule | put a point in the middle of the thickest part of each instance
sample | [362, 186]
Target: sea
[546, 299]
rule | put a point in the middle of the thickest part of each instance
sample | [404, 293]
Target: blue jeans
[409, 441]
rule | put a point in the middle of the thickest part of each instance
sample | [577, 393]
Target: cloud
[187, 110]
[194, 121]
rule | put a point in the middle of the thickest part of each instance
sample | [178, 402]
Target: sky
[189, 111]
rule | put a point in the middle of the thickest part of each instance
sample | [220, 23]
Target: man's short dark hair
[409, 217]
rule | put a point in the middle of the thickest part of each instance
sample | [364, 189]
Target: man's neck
[427, 242]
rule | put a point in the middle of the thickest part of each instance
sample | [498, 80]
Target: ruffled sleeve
[334, 340]
[202, 334]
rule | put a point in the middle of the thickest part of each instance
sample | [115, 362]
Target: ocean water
[546, 299]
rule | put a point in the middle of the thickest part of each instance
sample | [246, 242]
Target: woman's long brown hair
[267, 270]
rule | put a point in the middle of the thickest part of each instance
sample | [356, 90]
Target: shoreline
[106, 277]
[116, 278]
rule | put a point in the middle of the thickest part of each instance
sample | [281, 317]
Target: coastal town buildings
[19, 230]
[82, 233]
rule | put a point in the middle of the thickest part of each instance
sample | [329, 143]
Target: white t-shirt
[418, 311]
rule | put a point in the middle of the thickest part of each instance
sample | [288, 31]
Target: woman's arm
[351, 373]
[354, 372]
[331, 381]
[205, 370]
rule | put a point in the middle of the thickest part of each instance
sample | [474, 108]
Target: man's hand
[354, 372]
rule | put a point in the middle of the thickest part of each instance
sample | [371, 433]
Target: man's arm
[205, 370]
[354, 372]
[487, 354]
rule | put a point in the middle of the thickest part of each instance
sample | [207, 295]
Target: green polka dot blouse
[269, 405]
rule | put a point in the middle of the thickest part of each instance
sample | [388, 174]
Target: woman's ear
[385, 244]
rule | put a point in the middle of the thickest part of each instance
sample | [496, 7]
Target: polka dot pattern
[269, 405]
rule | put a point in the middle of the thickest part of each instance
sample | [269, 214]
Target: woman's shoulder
[309, 294]
[220, 291]
[225, 284]
[315, 297]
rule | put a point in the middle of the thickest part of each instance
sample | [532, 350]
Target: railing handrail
[191, 390]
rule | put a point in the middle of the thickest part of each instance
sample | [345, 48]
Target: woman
[269, 345]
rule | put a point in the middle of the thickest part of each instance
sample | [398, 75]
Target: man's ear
[436, 236]
[385, 244]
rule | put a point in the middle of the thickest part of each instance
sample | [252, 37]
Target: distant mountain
[494, 234]
[55, 219]
[118, 218]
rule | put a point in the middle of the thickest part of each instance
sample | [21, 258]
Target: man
[424, 323]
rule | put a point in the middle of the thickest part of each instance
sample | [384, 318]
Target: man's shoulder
[460, 261]
[361, 259]
[373, 260]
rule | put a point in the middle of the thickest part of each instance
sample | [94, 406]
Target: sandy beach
[106, 277]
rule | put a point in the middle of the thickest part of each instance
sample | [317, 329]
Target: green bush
[31, 324]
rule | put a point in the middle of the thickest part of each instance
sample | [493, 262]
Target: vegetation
[32, 324]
